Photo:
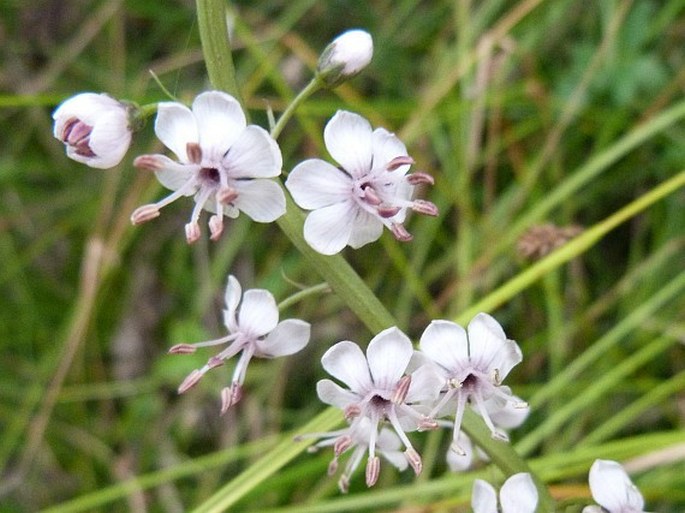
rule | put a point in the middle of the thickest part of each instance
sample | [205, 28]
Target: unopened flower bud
[346, 56]
[95, 128]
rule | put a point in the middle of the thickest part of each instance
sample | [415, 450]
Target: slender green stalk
[309, 90]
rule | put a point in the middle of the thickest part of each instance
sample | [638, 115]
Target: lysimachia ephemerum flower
[345, 57]
[95, 128]
[471, 364]
[253, 328]
[613, 490]
[370, 189]
[225, 163]
[517, 495]
[380, 393]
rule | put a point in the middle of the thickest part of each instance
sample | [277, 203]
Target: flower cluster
[253, 328]
[410, 390]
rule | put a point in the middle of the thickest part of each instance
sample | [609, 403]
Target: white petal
[328, 229]
[88, 107]
[460, 462]
[388, 354]
[366, 229]
[612, 488]
[483, 497]
[333, 394]
[445, 343]
[174, 175]
[254, 154]
[232, 299]
[258, 313]
[220, 121]
[507, 414]
[315, 184]
[261, 199]
[348, 140]
[110, 139]
[346, 362]
[288, 337]
[175, 126]
[489, 347]
[386, 146]
[426, 384]
[518, 494]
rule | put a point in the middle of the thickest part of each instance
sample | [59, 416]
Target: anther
[194, 152]
[148, 162]
[401, 390]
[193, 232]
[190, 381]
[397, 162]
[145, 213]
[216, 227]
[373, 470]
[424, 207]
[182, 349]
[400, 232]
[420, 178]
[414, 460]
[226, 195]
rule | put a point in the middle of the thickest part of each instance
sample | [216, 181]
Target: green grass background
[526, 112]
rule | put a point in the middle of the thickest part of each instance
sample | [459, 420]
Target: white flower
[369, 190]
[472, 366]
[517, 495]
[379, 391]
[95, 129]
[345, 57]
[253, 329]
[613, 490]
[223, 161]
[387, 444]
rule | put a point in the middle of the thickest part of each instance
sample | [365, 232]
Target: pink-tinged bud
[424, 207]
[414, 460]
[397, 162]
[190, 381]
[341, 444]
[182, 349]
[388, 211]
[401, 390]
[226, 195]
[373, 470]
[95, 129]
[420, 178]
[346, 56]
[148, 162]
[400, 232]
[194, 152]
[193, 232]
[216, 227]
[145, 213]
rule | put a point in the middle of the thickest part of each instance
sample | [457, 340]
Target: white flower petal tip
[222, 162]
[345, 57]
[613, 489]
[251, 319]
[95, 129]
[370, 189]
[517, 495]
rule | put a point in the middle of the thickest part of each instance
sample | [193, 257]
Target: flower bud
[346, 56]
[95, 129]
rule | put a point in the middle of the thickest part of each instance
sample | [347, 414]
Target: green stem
[211, 20]
[310, 89]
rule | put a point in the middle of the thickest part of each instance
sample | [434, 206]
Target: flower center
[209, 176]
